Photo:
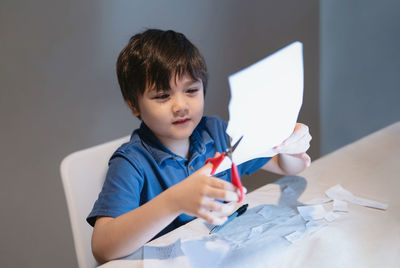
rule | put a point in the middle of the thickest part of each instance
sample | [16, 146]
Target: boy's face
[173, 114]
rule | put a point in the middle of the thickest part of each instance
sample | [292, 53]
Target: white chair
[83, 174]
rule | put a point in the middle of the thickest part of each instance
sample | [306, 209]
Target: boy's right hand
[197, 195]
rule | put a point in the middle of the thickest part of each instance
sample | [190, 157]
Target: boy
[158, 180]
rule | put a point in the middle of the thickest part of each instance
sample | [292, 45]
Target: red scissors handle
[216, 161]
[236, 180]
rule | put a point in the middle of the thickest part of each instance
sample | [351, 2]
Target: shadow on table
[292, 187]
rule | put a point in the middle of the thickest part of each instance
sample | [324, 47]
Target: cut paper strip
[313, 226]
[339, 193]
[331, 216]
[316, 212]
[273, 84]
[293, 237]
[312, 223]
[265, 212]
[318, 201]
[340, 206]
[255, 231]
[270, 212]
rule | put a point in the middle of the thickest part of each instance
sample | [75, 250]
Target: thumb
[207, 169]
[306, 158]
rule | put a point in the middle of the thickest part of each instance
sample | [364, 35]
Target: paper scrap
[265, 212]
[255, 231]
[318, 201]
[257, 93]
[293, 237]
[331, 216]
[269, 212]
[313, 226]
[340, 206]
[316, 212]
[339, 193]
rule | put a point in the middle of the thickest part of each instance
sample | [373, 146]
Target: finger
[294, 148]
[298, 137]
[299, 132]
[220, 209]
[244, 190]
[206, 170]
[301, 128]
[307, 159]
[212, 218]
[303, 156]
[291, 140]
[221, 194]
[221, 184]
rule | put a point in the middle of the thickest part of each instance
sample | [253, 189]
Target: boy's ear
[135, 111]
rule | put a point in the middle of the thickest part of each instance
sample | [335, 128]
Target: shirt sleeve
[253, 165]
[121, 190]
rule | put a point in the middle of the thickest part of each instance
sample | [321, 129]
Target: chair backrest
[83, 174]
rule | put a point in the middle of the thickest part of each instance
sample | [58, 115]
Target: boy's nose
[180, 106]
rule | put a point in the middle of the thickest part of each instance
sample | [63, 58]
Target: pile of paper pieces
[314, 211]
[258, 235]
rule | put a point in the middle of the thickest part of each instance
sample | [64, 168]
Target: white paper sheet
[331, 216]
[339, 193]
[266, 98]
[340, 206]
[316, 212]
[314, 226]
[293, 237]
[255, 231]
[318, 201]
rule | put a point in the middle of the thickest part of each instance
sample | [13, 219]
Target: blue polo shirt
[143, 168]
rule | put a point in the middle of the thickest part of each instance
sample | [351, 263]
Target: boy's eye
[192, 90]
[162, 96]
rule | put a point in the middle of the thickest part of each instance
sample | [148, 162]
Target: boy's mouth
[181, 121]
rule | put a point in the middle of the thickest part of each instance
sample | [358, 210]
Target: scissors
[216, 161]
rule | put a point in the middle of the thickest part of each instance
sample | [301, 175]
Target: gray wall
[59, 93]
[360, 69]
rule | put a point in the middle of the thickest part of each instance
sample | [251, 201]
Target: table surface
[364, 237]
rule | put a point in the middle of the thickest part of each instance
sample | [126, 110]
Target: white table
[364, 237]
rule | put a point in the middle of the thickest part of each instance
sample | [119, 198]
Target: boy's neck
[179, 147]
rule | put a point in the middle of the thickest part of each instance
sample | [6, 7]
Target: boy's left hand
[297, 144]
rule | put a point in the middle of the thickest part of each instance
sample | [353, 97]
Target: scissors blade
[230, 148]
[236, 144]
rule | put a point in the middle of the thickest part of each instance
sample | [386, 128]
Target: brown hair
[152, 57]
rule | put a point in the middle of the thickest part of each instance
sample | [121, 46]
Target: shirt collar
[198, 141]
